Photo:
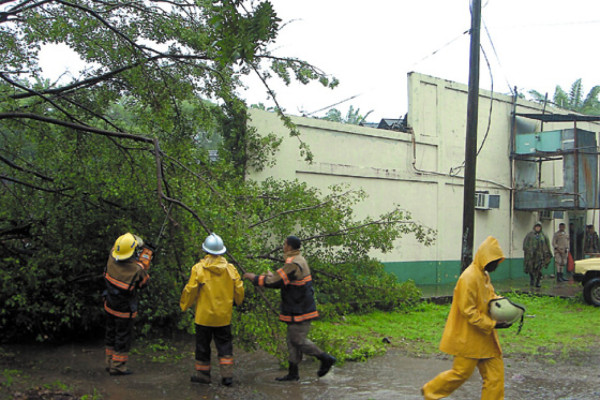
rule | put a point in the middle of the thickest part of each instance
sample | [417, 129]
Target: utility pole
[471, 138]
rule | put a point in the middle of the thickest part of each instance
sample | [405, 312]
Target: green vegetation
[574, 100]
[554, 328]
[127, 142]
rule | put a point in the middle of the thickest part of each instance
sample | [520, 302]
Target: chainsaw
[148, 249]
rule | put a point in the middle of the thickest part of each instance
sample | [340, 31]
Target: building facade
[422, 171]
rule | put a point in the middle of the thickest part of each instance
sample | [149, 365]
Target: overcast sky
[370, 46]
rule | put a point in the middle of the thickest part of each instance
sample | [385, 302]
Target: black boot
[537, 282]
[531, 280]
[562, 277]
[227, 381]
[292, 374]
[201, 377]
[327, 361]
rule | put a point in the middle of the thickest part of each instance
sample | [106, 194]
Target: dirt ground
[77, 369]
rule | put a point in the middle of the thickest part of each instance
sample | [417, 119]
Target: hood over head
[487, 252]
[215, 264]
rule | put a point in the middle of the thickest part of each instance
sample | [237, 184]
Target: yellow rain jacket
[214, 286]
[469, 330]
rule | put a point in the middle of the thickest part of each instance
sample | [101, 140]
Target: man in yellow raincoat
[470, 334]
[213, 287]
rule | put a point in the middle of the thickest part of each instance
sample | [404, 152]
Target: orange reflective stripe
[285, 318]
[226, 361]
[109, 352]
[120, 357]
[117, 283]
[261, 280]
[304, 317]
[284, 277]
[119, 314]
[202, 367]
[298, 318]
[302, 282]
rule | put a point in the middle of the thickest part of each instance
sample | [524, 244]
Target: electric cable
[454, 171]
[333, 105]
[487, 32]
[441, 48]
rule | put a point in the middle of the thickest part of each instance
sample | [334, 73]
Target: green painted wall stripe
[441, 272]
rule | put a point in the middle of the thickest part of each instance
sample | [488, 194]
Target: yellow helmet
[124, 247]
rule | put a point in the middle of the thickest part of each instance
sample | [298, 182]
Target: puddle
[392, 376]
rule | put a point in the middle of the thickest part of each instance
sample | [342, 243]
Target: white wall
[381, 163]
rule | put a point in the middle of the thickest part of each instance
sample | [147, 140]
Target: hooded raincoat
[469, 330]
[213, 287]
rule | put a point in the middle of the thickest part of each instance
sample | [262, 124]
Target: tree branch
[298, 210]
[78, 127]
[19, 168]
[354, 228]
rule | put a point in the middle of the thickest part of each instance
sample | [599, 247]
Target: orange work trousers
[491, 370]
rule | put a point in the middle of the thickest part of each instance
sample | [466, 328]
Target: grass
[553, 328]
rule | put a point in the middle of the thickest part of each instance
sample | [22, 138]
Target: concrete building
[422, 169]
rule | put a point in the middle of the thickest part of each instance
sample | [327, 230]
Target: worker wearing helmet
[298, 308]
[123, 276]
[470, 334]
[214, 286]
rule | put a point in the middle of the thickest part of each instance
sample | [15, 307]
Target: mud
[392, 376]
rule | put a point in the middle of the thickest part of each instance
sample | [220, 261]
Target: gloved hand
[502, 325]
[150, 245]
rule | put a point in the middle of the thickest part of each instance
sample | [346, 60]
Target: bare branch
[29, 185]
[78, 127]
[19, 168]
[297, 210]
[357, 227]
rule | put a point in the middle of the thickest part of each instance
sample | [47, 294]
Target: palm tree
[574, 100]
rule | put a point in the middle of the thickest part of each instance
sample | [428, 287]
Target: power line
[441, 48]
[333, 105]
[497, 58]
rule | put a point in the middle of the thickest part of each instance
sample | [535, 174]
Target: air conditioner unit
[482, 201]
[486, 201]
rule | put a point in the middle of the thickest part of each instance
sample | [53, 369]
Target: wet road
[392, 376]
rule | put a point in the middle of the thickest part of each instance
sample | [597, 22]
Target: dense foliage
[574, 100]
[125, 147]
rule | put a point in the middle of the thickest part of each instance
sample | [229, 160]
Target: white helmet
[504, 310]
[213, 244]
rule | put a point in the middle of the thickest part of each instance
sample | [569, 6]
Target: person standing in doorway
[298, 307]
[470, 333]
[536, 247]
[560, 243]
[213, 288]
[592, 244]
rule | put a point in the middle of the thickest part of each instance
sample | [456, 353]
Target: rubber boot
[562, 277]
[327, 361]
[292, 374]
[202, 372]
[226, 370]
[118, 364]
[531, 280]
[108, 354]
[201, 377]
